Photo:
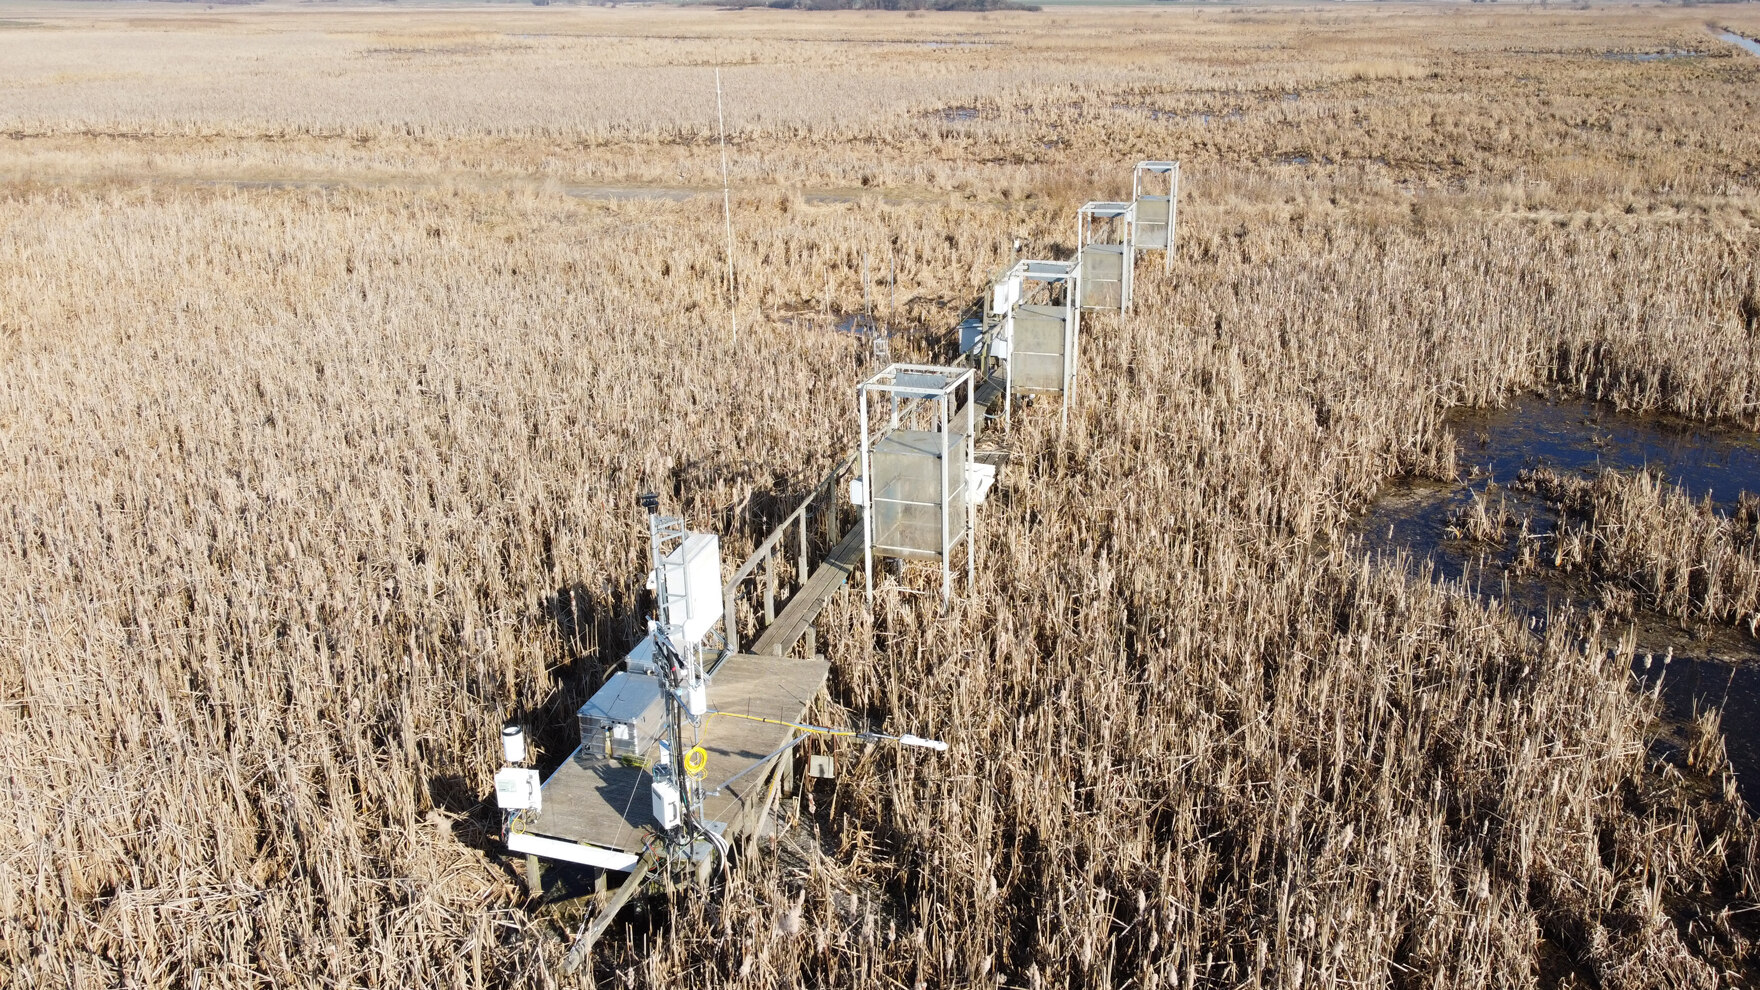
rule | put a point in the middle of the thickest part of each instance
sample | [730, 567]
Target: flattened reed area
[305, 489]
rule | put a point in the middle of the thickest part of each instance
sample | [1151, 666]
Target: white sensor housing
[666, 804]
[513, 743]
[518, 789]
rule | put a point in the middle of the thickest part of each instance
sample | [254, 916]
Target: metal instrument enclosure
[623, 719]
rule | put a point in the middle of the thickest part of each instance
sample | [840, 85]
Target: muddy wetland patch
[1649, 525]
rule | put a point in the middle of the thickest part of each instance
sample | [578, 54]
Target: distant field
[337, 342]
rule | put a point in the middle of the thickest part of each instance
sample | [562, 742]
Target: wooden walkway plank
[989, 393]
[811, 598]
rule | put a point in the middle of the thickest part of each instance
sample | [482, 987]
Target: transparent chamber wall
[1102, 284]
[910, 490]
[1152, 214]
[1036, 358]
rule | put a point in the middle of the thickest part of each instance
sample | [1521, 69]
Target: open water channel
[1749, 45]
[1716, 666]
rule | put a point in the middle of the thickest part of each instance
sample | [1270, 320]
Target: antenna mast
[677, 793]
[726, 210]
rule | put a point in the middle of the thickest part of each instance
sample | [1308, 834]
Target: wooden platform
[598, 812]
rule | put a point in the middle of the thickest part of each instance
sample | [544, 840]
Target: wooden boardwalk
[989, 394]
[601, 809]
[803, 608]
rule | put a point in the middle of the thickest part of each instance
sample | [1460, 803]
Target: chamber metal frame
[921, 414]
[1093, 222]
[1142, 177]
[1017, 287]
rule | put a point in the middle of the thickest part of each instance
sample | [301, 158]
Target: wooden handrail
[769, 545]
[766, 551]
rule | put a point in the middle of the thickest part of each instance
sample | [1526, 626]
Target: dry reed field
[338, 342]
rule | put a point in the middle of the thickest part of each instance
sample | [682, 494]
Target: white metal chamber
[1155, 193]
[1107, 254]
[1032, 326]
[917, 466]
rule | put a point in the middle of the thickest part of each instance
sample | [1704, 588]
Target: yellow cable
[695, 759]
[792, 725]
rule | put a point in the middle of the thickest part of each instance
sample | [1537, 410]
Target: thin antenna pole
[892, 303]
[726, 211]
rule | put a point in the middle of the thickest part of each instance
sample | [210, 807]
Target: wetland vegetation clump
[1680, 556]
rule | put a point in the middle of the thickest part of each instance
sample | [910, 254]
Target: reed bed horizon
[308, 487]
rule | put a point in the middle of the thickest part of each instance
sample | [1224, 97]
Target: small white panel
[1002, 346]
[969, 332]
[821, 766]
[858, 492]
[696, 699]
[980, 478]
[1004, 295]
[693, 586]
[518, 790]
[666, 804]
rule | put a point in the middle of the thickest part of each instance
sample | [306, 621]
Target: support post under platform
[534, 877]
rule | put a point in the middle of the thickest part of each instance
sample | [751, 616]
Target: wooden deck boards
[988, 395]
[989, 391]
[606, 803]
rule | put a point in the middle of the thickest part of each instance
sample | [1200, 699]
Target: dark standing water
[1719, 667]
[956, 115]
[1749, 44]
[1648, 56]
